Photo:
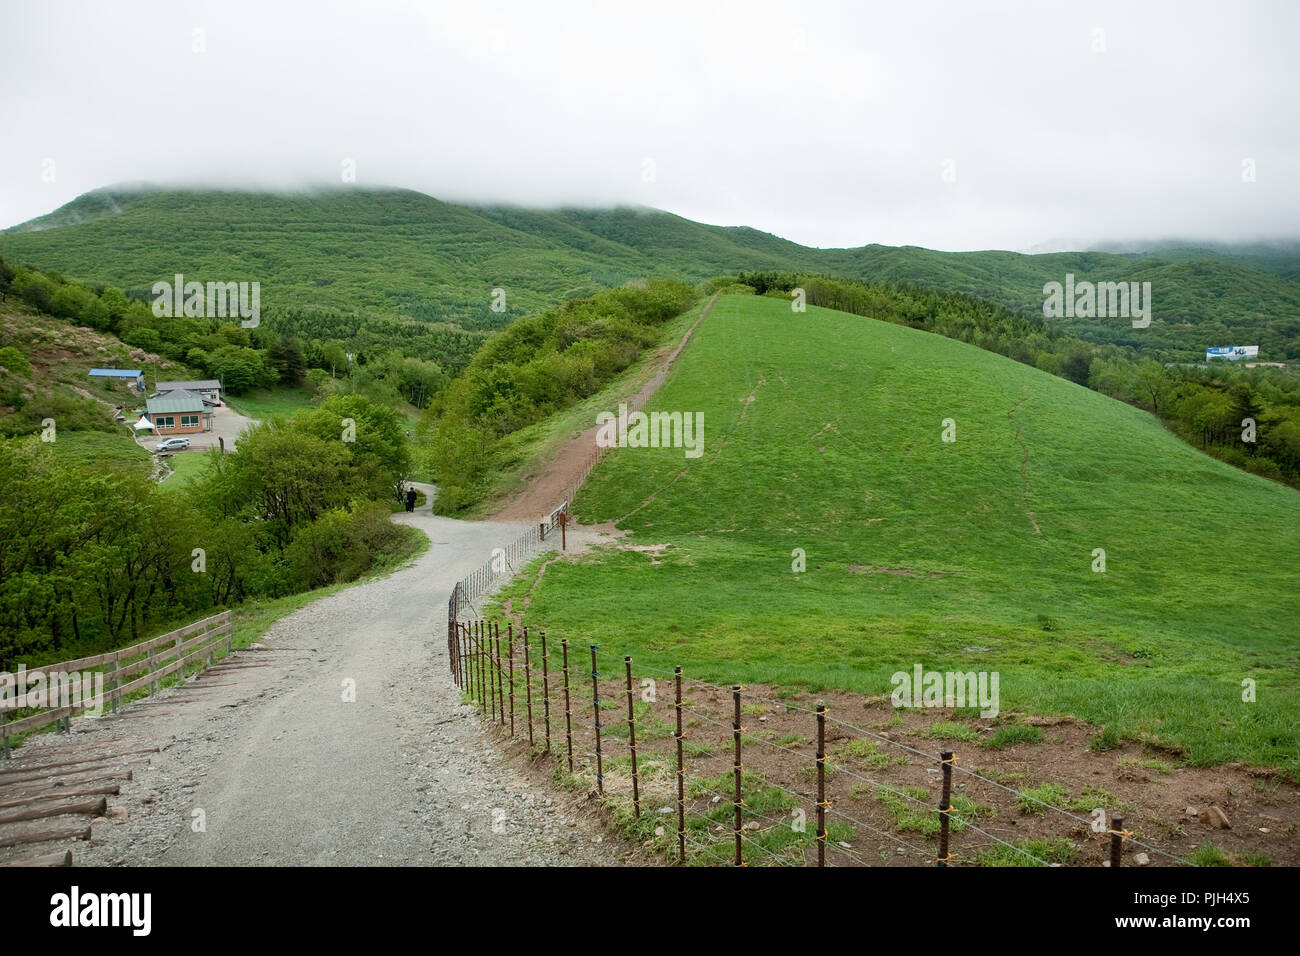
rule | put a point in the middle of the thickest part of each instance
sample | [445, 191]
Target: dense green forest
[393, 268]
[95, 556]
[97, 553]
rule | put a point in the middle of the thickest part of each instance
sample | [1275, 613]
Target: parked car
[173, 444]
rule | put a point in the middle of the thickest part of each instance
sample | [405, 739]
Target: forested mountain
[367, 262]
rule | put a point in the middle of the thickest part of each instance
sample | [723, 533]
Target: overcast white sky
[827, 123]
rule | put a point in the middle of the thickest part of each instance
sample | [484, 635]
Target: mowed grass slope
[823, 433]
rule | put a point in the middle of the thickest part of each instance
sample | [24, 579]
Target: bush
[318, 550]
[342, 545]
[15, 361]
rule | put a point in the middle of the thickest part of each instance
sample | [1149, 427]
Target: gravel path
[285, 771]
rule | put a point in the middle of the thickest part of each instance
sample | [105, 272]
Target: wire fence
[502, 565]
[506, 561]
[789, 807]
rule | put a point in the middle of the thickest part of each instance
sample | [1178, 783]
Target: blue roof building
[131, 373]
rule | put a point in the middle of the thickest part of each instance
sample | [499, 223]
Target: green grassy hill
[399, 253]
[823, 433]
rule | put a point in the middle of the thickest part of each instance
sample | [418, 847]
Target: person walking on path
[410, 499]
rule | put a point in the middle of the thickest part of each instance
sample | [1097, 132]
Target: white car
[173, 444]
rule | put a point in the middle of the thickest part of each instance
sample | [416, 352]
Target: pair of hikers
[410, 499]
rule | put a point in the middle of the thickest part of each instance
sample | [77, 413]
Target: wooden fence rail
[123, 672]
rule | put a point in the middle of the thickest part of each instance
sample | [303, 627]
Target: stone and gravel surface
[264, 762]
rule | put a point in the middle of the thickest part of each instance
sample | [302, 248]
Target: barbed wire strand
[920, 753]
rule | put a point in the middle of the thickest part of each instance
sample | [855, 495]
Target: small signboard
[1232, 353]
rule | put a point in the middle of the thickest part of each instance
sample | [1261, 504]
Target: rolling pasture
[824, 437]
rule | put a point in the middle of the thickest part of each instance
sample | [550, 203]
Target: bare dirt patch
[904, 572]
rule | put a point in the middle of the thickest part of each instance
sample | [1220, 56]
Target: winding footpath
[339, 738]
[267, 763]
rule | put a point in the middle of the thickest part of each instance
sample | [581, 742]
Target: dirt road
[546, 490]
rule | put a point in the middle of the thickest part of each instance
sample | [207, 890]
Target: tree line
[394, 361]
[539, 365]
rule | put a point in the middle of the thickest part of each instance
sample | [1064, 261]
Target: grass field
[823, 433]
[261, 403]
[98, 449]
[185, 465]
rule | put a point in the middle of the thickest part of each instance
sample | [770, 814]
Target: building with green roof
[179, 415]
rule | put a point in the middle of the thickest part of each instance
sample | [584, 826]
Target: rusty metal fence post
[631, 740]
[510, 658]
[821, 784]
[595, 711]
[488, 669]
[453, 657]
[681, 772]
[462, 637]
[945, 808]
[528, 686]
[482, 666]
[473, 662]
[568, 710]
[738, 768]
[1116, 840]
[546, 695]
[501, 695]
[469, 661]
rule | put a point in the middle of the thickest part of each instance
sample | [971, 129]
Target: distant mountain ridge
[402, 253]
